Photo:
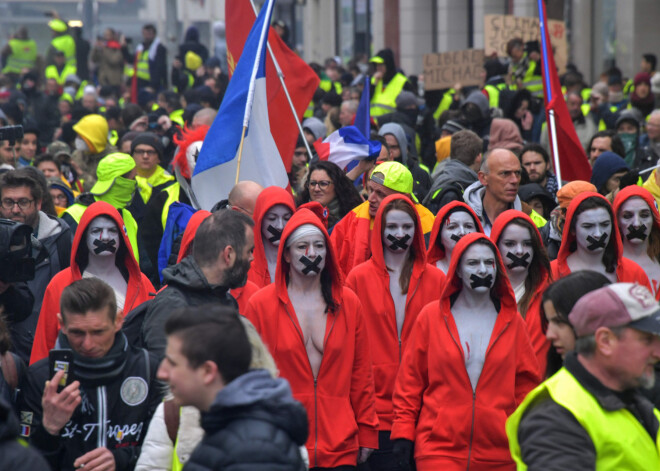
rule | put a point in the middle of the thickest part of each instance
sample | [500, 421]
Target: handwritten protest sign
[499, 29]
[445, 69]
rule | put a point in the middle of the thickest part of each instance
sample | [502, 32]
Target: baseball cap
[616, 305]
[395, 177]
[110, 167]
[57, 25]
[377, 60]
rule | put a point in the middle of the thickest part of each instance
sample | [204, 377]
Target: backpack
[452, 191]
[177, 219]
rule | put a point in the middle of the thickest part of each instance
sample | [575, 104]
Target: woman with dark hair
[394, 285]
[518, 111]
[557, 302]
[528, 269]
[329, 185]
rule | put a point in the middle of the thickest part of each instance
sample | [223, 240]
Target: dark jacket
[14, 455]
[454, 177]
[551, 437]
[254, 424]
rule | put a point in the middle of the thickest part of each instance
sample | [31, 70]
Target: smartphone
[61, 360]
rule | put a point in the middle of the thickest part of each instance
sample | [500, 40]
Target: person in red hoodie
[100, 249]
[639, 224]
[393, 285]
[272, 210]
[590, 241]
[528, 269]
[468, 365]
[453, 221]
[314, 329]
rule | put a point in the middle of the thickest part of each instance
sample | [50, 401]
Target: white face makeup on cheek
[456, 225]
[515, 245]
[593, 229]
[307, 255]
[399, 231]
[273, 224]
[477, 268]
[635, 221]
[102, 237]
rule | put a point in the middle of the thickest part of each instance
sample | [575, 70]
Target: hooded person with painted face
[272, 211]
[590, 241]
[528, 268]
[468, 365]
[454, 220]
[101, 249]
[393, 285]
[316, 332]
[639, 225]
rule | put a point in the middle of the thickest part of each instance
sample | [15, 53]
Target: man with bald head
[243, 197]
[203, 117]
[497, 189]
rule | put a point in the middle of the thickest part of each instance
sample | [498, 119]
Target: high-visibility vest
[143, 66]
[23, 56]
[173, 192]
[384, 99]
[619, 439]
[327, 84]
[146, 186]
[533, 83]
[445, 103]
[52, 73]
[67, 45]
[113, 138]
[176, 116]
[494, 94]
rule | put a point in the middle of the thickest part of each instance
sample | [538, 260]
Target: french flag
[345, 145]
[244, 106]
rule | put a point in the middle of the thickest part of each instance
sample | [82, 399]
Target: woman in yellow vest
[386, 83]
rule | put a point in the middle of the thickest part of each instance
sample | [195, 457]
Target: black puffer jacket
[15, 456]
[254, 424]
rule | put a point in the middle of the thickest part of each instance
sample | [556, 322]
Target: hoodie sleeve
[528, 375]
[45, 334]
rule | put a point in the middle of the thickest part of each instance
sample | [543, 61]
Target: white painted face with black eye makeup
[477, 268]
[303, 255]
[273, 224]
[399, 231]
[593, 230]
[515, 245]
[102, 237]
[635, 221]
[456, 225]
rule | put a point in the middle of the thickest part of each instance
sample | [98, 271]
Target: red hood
[436, 252]
[567, 238]
[189, 234]
[268, 198]
[101, 208]
[300, 217]
[634, 190]
[377, 239]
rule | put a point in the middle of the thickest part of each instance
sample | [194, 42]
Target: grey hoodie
[399, 134]
[474, 195]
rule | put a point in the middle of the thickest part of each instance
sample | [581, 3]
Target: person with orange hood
[272, 211]
[314, 328]
[467, 367]
[101, 249]
[393, 285]
[453, 221]
[528, 269]
[639, 224]
[590, 241]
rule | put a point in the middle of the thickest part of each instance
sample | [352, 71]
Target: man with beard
[222, 253]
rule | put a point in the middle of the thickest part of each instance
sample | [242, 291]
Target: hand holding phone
[58, 407]
[61, 360]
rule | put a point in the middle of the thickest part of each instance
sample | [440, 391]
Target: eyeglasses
[149, 152]
[322, 184]
[23, 203]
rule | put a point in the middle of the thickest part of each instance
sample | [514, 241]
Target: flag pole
[240, 154]
[555, 147]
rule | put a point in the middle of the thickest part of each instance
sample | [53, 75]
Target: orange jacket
[139, 287]
[269, 197]
[340, 401]
[434, 403]
[371, 281]
[532, 317]
[436, 250]
[626, 270]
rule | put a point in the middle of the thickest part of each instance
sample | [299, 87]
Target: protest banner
[443, 70]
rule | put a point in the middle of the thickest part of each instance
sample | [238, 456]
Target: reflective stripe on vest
[533, 83]
[23, 56]
[384, 100]
[143, 66]
[67, 45]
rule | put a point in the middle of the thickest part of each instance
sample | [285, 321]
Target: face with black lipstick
[455, 226]
[517, 247]
[593, 229]
[103, 237]
[307, 254]
[477, 268]
[635, 221]
[273, 224]
[398, 231]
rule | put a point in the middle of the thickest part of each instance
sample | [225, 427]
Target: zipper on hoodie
[408, 299]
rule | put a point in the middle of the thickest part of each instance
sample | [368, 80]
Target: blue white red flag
[363, 115]
[345, 145]
[244, 104]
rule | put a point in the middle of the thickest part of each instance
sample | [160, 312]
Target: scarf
[98, 371]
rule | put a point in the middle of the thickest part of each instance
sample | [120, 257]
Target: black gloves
[402, 452]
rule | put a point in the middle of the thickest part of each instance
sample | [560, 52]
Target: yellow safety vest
[143, 66]
[445, 103]
[494, 94]
[327, 84]
[23, 56]
[384, 99]
[620, 440]
[146, 185]
[172, 196]
[177, 117]
[52, 73]
[67, 45]
[533, 83]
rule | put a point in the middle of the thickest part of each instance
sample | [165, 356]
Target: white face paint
[635, 221]
[516, 241]
[456, 225]
[273, 224]
[303, 255]
[102, 236]
[593, 229]
[399, 231]
[477, 266]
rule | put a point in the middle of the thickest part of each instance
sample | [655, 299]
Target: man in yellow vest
[59, 70]
[20, 53]
[386, 83]
[62, 41]
[591, 414]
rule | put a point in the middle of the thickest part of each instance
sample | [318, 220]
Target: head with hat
[387, 179]
[147, 150]
[57, 26]
[607, 172]
[618, 329]
[115, 180]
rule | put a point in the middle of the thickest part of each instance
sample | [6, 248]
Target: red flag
[572, 158]
[300, 79]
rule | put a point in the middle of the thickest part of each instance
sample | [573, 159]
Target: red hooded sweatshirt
[532, 317]
[371, 281]
[434, 403]
[139, 287]
[436, 252]
[340, 402]
[242, 294]
[630, 192]
[269, 197]
[626, 270]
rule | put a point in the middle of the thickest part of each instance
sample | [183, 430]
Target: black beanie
[149, 139]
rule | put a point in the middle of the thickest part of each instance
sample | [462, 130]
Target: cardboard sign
[445, 69]
[499, 29]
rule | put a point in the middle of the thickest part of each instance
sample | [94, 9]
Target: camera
[11, 134]
[16, 261]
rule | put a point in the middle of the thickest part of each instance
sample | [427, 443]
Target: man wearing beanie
[591, 413]
[607, 172]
